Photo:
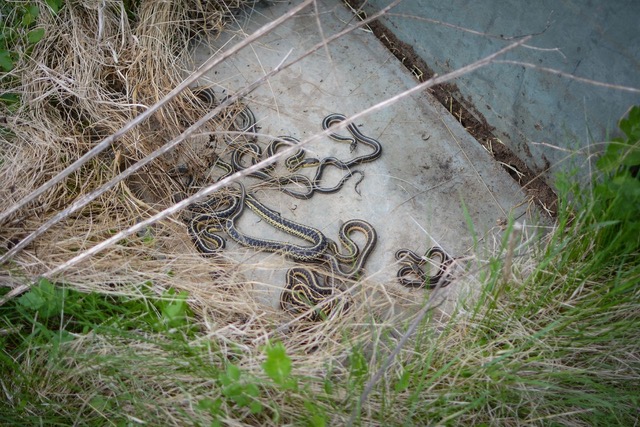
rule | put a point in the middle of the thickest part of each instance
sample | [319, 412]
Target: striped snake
[356, 137]
[305, 295]
[222, 212]
[293, 163]
[208, 219]
[243, 121]
[412, 273]
[264, 174]
[302, 290]
[297, 161]
[313, 252]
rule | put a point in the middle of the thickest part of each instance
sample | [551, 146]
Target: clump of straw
[98, 66]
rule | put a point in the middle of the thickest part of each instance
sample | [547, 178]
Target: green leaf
[61, 337]
[32, 300]
[631, 157]
[623, 153]
[174, 309]
[6, 60]
[235, 392]
[403, 382]
[328, 386]
[631, 125]
[278, 364]
[317, 420]
[255, 407]
[43, 298]
[318, 417]
[100, 404]
[30, 15]
[212, 406]
[358, 364]
[33, 10]
[252, 390]
[34, 36]
[55, 5]
[233, 372]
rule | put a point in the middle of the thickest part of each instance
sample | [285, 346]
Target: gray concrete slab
[413, 195]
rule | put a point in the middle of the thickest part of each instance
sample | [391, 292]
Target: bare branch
[483, 34]
[569, 76]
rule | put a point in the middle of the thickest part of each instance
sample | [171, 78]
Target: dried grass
[79, 86]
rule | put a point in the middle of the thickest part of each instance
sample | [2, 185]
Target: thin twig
[403, 340]
[570, 76]
[483, 34]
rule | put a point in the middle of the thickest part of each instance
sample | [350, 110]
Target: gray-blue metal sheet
[551, 122]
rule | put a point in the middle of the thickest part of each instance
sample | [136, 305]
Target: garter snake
[304, 289]
[332, 161]
[322, 249]
[224, 211]
[293, 163]
[206, 206]
[297, 161]
[356, 137]
[314, 252]
[221, 212]
[205, 94]
[413, 266]
[212, 212]
[304, 293]
[264, 174]
[202, 234]
[243, 121]
[356, 258]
